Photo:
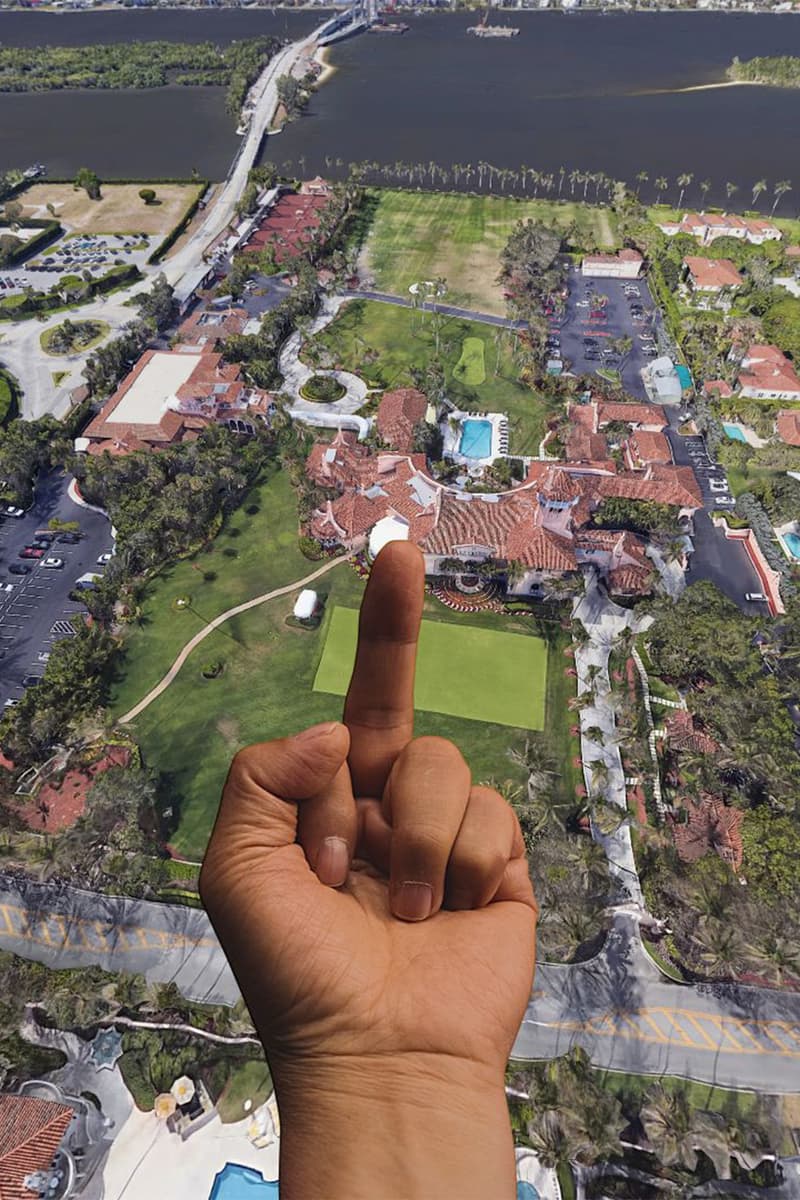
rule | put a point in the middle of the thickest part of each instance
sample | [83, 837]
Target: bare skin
[387, 970]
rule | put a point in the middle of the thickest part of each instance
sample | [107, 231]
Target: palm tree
[595, 734]
[683, 182]
[722, 951]
[574, 177]
[705, 188]
[758, 187]
[730, 188]
[776, 957]
[641, 177]
[662, 183]
[779, 190]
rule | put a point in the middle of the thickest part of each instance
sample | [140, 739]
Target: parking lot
[712, 478]
[74, 254]
[584, 337]
[37, 611]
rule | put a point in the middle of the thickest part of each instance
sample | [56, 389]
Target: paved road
[450, 310]
[20, 351]
[39, 600]
[716, 558]
[617, 1006]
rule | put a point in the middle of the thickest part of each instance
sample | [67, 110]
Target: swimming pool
[734, 432]
[235, 1182]
[476, 439]
[792, 543]
[526, 1191]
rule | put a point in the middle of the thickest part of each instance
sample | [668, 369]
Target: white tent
[388, 529]
[305, 604]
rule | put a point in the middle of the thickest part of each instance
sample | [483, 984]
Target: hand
[377, 911]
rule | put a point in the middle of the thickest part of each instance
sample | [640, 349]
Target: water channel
[591, 91]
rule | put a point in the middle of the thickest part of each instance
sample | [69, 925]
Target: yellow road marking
[712, 1044]
[686, 1040]
[661, 1035]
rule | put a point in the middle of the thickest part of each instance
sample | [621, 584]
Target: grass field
[462, 671]
[249, 1080]
[471, 367]
[266, 690]
[119, 210]
[403, 339]
[424, 235]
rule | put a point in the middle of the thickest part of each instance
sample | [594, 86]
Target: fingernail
[412, 901]
[333, 861]
[316, 731]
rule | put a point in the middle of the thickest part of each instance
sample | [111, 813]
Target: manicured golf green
[471, 367]
[462, 670]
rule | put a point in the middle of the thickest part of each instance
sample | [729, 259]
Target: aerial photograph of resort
[400, 600]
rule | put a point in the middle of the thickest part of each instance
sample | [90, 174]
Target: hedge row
[175, 233]
[50, 231]
[8, 399]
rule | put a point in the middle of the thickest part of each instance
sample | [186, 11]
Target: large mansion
[543, 524]
[707, 227]
[169, 397]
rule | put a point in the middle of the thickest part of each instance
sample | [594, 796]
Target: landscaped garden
[268, 666]
[70, 337]
[396, 347]
[427, 235]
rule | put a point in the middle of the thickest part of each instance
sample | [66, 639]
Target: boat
[485, 30]
[388, 27]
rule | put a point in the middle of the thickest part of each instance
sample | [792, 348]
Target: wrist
[415, 1127]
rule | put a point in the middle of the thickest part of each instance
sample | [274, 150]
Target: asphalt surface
[40, 600]
[716, 558]
[618, 1005]
[576, 324]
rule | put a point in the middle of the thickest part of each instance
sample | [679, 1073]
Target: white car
[44, 656]
[754, 596]
[10, 510]
[54, 564]
[718, 485]
[582, 304]
[104, 558]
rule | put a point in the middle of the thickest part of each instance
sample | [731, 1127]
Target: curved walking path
[194, 642]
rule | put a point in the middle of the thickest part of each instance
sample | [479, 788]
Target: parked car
[11, 510]
[102, 559]
[31, 681]
[69, 539]
[19, 568]
[44, 656]
[754, 596]
[54, 564]
[31, 552]
[582, 304]
[718, 485]
[44, 535]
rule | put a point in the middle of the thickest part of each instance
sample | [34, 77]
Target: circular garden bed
[323, 389]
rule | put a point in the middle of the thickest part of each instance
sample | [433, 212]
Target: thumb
[258, 812]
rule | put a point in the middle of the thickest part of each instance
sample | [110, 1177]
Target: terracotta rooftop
[631, 414]
[712, 274]
[31, 1130]
[398, 413]
[788, 426]
[647, 446]
[766, 368]
[720, 386]
[711, 825]
[682, 734]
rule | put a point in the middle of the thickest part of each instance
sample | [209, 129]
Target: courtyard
[426, 235]
[391, 347]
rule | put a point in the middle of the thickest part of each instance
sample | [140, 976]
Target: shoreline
[703, 87]
[328, 70]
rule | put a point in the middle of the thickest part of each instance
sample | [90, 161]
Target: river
[591, 91]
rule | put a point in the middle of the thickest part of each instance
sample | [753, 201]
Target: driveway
[38, 610]
[576, 324]
[716, 558]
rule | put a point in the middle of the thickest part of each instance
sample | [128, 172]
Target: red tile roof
[398, 413]
[711, 825]
[712, 274]
[682, 734]
[647, 446]
[631, 414]
[788, 426]
[630, 580]
[766, 368]
[662, 484]
[719, 386]
[31, 1130]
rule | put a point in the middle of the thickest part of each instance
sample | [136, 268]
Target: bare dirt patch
[119, 210]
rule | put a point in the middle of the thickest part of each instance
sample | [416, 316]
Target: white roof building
[305, 604]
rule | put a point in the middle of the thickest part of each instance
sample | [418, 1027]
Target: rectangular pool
[476, 439]
[792, 543]
[734, 432]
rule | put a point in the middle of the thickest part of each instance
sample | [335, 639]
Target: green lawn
[249, 1080]
[471, 367]
[383, 343]
[462, 670]
[264, 556]
[427, 235]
